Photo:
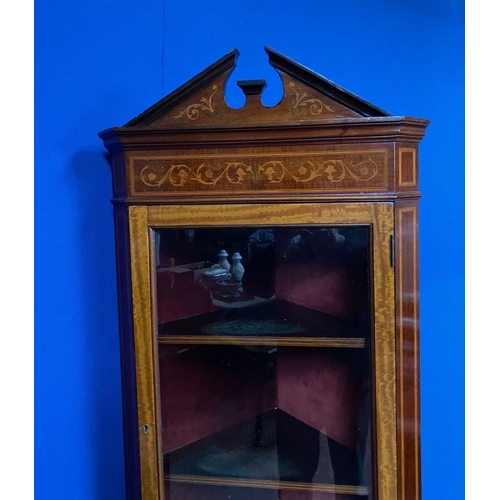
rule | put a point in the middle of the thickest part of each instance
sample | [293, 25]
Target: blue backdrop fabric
[100, 63]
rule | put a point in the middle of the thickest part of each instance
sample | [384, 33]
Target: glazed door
[265, 351]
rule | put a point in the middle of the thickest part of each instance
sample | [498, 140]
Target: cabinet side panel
[119, 175]
[129, 394]
[407, 349]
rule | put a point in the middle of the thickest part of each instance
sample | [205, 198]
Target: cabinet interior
[265, 381]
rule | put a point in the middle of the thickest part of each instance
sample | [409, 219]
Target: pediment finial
[252, 88]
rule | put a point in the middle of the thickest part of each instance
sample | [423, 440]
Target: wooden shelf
[270, 323]
[273, 450]
[263, 341]
[268, 484]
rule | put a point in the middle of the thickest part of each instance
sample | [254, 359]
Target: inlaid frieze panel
[338, 170]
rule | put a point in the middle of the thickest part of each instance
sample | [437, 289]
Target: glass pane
[264, 354]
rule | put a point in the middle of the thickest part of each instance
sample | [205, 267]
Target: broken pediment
[307, 97]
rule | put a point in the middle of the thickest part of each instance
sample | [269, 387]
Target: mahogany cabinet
[267, 263]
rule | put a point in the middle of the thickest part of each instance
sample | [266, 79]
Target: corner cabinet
[267, 265]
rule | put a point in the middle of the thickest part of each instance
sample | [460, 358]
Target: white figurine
[237, 270]
[223, 262]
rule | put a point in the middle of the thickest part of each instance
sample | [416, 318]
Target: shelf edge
[268, 484]
[265, 341]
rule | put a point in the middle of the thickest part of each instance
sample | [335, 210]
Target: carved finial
[252, 87]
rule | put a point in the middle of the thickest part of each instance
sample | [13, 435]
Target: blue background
[100, 63]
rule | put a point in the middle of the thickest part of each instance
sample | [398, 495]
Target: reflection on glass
[264, 342]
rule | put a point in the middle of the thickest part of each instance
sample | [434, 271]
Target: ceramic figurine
[237, 270]
[223, 262]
